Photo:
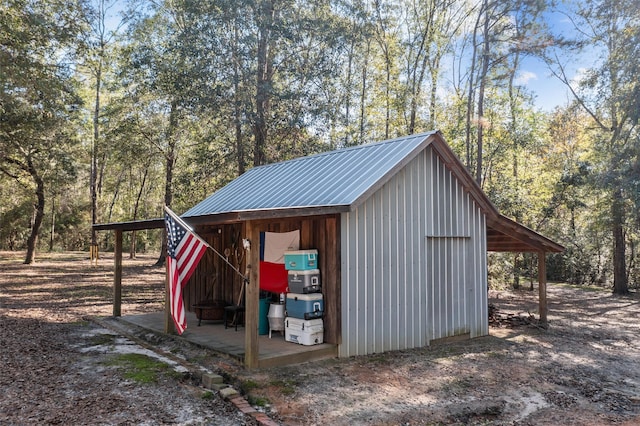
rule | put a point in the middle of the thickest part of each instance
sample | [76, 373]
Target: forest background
[111, 109]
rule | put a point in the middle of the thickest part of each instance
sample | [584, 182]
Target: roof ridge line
[350, 148]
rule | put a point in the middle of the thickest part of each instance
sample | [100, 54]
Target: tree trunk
[620, 285]
[347, 103]
[383, 43]
[136, 207]
[53, 223]
[483, 83]
[387, 96]
[170, 156]
[263, 81]
[417, 71]
[32, 241]
[515, 172]
[240, 156]
[433, 96]
[531, 268]
[516, 271]
[416, 92]
[363, 93]
[114, 197]
[94, 154]
[471, 93]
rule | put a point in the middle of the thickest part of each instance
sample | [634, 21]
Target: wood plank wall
[213, 279]
[220, 282]
[321, 233]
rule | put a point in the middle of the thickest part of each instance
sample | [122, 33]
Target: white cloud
[579, 77]
[525, 77]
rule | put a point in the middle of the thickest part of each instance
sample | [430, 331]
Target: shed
[402, 231]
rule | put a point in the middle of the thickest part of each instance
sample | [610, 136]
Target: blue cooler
[305, 306]
[300, 260]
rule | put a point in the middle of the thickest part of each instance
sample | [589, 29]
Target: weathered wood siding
[213, 277]
[413, 263]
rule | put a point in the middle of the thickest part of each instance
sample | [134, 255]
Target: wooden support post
[542, 287]
[331, 287]
[94, 253]
[168, 321]
[252, 296]
[117, 275]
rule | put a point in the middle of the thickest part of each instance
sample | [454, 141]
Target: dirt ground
[57, 369]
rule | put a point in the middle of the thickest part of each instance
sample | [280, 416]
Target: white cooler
[304, 332]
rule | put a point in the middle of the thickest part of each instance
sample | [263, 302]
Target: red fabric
[273, 277]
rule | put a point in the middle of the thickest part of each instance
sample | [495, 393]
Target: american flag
[184, 251]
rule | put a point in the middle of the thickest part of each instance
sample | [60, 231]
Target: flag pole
[185, 225]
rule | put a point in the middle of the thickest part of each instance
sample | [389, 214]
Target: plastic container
[276, 317]
[307, 281]
[263, 320]
[304, 332]
[300, 260]
[305, 306]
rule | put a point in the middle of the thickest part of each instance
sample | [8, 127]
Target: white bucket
[276, 317]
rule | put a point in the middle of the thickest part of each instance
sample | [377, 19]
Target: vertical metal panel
[482, 327]
[413, 262]
[400, 247]
[417, 241]
[385, 260]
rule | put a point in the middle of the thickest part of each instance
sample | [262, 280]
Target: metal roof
[336, 180]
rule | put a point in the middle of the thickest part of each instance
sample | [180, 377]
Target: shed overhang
[506, 235]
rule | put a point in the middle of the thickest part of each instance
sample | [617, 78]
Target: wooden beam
[168, 321]
[314, 353]
[252, 296]
[513, 248]
[134, 225]
[265, 215]
[331, 284]
[117, 275]
[542, 287]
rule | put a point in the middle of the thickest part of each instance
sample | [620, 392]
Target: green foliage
[257, 401]
[607, 94]
[248, 385]
[39, 104]
[286, 387]
[139, 368]
[14, 225]
[194, 93]
[499, 271]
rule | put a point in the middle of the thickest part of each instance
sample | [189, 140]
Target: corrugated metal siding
[413, 263]
[336, 178]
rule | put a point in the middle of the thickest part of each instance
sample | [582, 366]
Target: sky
[549, 92]
[535, 75]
